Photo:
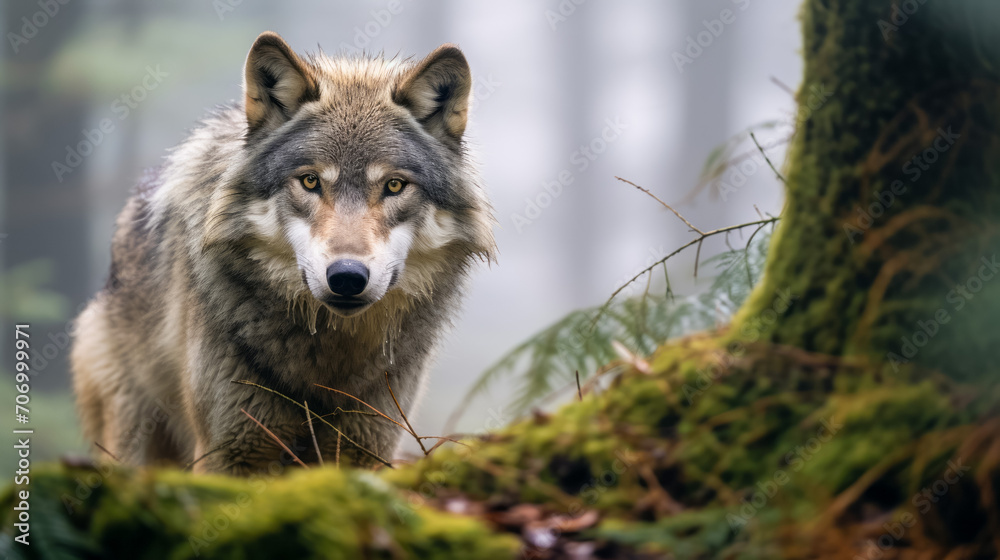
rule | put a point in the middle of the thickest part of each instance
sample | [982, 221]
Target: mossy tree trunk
[891, 229]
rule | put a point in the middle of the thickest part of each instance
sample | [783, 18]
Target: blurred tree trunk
[890, 232]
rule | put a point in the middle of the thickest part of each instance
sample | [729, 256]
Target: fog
[568, 95]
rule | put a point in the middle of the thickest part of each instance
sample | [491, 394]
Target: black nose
[347, 277]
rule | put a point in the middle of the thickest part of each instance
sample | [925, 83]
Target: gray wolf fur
[224, 265]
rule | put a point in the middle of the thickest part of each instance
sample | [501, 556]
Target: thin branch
[579, 391]
[740, 158]
[207, 453]
[403, 414]
[782, 85]
[729, 245]
[767, 159]
[270, 433]
[697, 257]
[442, 439]
[666, 276]
[340, 434]
[442, 442]
[603, 309]
[665, 205]
[110, 454]
[312, 431]
[377, 411]
[749, 241]
[339, 411]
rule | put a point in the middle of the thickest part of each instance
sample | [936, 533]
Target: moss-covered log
[827, 438]
[891, 229]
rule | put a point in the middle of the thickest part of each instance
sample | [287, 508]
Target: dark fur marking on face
[431, 162]
[282, 154]
[405, 212]
[298, 206]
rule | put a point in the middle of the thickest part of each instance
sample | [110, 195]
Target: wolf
[307, 247]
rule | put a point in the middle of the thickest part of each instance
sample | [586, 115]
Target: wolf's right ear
[276, 82]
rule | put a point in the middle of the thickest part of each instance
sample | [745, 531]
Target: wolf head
[354, 179]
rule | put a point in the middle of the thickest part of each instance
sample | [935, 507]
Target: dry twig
[276, 438]
[665, 205]
[110, 454]
[403, 414]
[767, 159]
[360, 447]
[312, 431]
[697, 241]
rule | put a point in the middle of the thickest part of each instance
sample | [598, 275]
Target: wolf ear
[436, 91]
[276, 82]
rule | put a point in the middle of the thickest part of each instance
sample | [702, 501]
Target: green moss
[808, 428]
[777, 436]
[322, 513]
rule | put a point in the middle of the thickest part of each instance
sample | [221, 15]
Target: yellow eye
[310, 182]
[394, 186]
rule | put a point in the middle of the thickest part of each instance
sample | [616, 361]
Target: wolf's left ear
[276, 82]
[436, 91]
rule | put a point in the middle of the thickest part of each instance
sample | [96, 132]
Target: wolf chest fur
[321, 232]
